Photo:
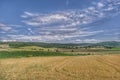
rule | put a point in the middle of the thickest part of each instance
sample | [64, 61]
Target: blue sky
[61, 21]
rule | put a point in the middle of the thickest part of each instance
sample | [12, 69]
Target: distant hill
[110, 43]
[59, 45]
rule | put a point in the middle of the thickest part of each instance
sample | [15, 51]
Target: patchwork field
[92, 67]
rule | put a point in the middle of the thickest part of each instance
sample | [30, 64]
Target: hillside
[60, 45]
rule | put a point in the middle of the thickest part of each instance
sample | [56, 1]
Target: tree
[72, 50]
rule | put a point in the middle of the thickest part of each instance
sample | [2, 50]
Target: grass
[20, 54]
[34, 51]
[95, 67]
[116, 49]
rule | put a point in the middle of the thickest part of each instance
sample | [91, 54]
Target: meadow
[21, 54]
[34, 51]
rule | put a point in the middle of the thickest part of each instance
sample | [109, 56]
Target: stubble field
[92, 67]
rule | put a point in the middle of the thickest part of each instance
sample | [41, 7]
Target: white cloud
[67, 24]
[5, 27]
[68, 18]
[87, 41]
[30, 30]
[100, 5]
[47, 36]
[28, 14]
[63, 25]
[73, 18]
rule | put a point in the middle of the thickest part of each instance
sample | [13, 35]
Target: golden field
[93, 67]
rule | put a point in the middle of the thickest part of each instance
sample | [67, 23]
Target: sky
[60, 21]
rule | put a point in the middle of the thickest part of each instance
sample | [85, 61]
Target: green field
[116, 49]
[33, 50]
[20, 54]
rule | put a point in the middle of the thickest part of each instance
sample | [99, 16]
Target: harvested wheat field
[94, 67]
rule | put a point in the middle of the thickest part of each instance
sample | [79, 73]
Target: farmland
[94, 67]
[31, 61]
